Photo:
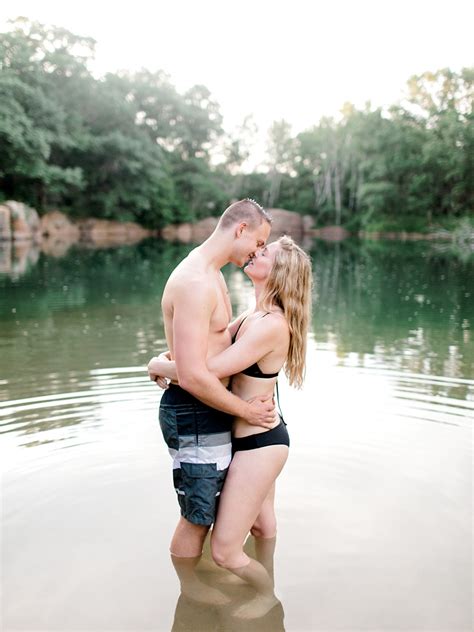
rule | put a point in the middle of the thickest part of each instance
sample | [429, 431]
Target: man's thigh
[199, 441]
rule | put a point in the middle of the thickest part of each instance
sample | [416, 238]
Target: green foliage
[407, 166]
[130, 146]
[127, 146]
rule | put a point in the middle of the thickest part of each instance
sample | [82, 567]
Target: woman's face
[260, 266]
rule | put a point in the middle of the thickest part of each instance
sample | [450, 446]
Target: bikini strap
[237, 330]
[240, 324]
[278, 400]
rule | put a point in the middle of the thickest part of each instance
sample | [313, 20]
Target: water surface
[374, 505]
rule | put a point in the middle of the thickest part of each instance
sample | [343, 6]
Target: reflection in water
[213, 598]
[410, 308]
[379, 478]
[17, 258]
[404, 304]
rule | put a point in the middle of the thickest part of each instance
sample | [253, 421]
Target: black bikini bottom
[275, 436]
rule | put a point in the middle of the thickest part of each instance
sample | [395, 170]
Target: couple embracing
[217, 415]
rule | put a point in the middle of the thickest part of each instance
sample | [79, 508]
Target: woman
[266, 339]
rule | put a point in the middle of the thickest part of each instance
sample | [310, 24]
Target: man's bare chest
[222, 313]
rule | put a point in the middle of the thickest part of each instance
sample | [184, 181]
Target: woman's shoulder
[274, 321]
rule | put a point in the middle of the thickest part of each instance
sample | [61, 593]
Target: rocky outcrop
[19, 222]
[5, 223]
[178, 232]
[103, 233]
[289, 223]
[57, 225]
[330, 233]
[190, 233]
[284, 222]
[59, 234]
[56, 233]
[24, 236]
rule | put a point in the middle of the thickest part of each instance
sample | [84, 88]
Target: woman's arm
[261, 337]
[158, 366]
[163, 366]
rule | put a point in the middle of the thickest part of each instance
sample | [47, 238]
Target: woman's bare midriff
[247, 387]
[224, 381]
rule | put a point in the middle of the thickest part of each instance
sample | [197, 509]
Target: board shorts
[199, 441]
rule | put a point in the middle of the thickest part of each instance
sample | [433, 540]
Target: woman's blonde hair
[289, 286]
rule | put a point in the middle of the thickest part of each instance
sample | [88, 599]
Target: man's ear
[240, 229]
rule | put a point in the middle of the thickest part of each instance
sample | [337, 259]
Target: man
[196, 416]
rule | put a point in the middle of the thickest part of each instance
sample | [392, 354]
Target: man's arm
[191, 318]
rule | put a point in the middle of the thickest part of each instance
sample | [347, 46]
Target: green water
[374, 505]
[401, 302]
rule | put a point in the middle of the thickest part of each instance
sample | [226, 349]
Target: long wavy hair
[289, 286]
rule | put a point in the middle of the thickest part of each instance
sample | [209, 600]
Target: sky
[297, 60]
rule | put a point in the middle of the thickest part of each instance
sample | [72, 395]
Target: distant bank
[56, 232]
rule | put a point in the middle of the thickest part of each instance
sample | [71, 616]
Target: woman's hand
[162, 382]
[154, 371]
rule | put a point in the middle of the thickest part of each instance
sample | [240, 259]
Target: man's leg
[195, 434]
[188, 539]
[186, 548]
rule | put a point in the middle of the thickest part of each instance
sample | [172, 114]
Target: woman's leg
[264, 533]
[265, 524]
[250, 478]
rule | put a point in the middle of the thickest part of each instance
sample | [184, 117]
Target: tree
[279, 151]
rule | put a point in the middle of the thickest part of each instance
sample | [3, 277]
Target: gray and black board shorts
[199, 441]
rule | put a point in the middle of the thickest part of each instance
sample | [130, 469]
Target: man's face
[249, 241]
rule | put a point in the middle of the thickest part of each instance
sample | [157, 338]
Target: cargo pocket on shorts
[200, 483]
[169, 428]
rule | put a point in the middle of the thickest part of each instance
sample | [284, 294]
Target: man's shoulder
[186, 275]
[190, 285]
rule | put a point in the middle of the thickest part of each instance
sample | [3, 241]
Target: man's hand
[262, 412]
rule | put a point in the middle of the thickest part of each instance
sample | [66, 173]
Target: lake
[374, 505]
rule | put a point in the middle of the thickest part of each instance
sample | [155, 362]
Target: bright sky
[296, 60]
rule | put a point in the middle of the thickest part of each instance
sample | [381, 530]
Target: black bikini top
[254, 370]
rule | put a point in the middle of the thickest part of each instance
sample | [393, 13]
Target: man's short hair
[247, 210]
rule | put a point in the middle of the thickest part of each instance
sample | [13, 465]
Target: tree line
[129, 146]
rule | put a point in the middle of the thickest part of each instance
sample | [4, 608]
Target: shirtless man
[196, 415]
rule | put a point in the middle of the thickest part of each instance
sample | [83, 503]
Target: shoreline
[55, 231]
